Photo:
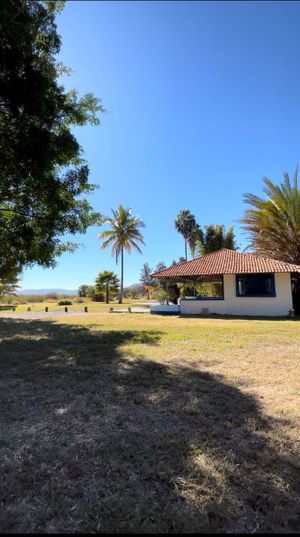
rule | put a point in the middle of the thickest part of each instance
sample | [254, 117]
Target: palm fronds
[273, 224]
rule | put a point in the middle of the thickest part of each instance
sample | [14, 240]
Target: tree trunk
[185, 247]
[107, 295]
[122, 276]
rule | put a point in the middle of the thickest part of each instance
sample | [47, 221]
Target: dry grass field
[93, 307]
[129, 422]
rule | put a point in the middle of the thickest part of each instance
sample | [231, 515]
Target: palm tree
[123, 235]
[108, 281]
[273, 224]
[185, 223]
[215, 237]
[196, 237]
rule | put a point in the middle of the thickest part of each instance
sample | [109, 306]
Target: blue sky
[202, 101]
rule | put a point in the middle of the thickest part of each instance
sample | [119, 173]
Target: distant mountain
[134, 286]
[46, 291]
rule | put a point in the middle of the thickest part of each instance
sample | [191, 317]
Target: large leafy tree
[185, 224]
[273, 223]
[124, 234]
[43, 177]
[107, 281]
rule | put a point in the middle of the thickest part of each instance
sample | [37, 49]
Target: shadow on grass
[97, 441]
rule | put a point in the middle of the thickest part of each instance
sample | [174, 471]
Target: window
[255, 285]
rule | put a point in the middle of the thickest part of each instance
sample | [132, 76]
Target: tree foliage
[124, 234]
[214, 238]
[9, 284]
[83, 291]
[273, 223]
[196, 237]
[145, 279]
[107, 281]
[145, 274]
[43, 177]
[185, 224]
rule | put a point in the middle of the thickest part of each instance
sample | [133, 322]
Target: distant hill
[134, 286]
[46, 291]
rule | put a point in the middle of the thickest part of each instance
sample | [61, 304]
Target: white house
[248, 284]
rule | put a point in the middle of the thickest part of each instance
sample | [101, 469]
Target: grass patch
[148, 424]
[93, 307]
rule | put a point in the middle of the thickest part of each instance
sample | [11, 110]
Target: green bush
[65, 303]
[98, 297]
[161, 295]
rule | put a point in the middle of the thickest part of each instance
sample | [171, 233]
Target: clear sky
[202, 100]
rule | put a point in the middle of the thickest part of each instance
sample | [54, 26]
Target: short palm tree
[273, 224]
[123, 235]
[185, 223]
[107, 281]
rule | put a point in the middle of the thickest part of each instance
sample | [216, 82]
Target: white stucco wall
[279, 305]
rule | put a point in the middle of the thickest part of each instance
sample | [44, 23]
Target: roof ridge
[195, 259]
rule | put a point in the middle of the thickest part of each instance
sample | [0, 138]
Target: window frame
[255, 274]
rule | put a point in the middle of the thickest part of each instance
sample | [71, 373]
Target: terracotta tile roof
[226, 262]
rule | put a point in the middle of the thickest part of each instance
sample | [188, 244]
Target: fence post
[85, 309]
[66, 310]
[29, 308]
[129, 310]
[46, 309]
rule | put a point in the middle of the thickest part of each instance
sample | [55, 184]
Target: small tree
[93, 295]
[83, 291]
[145, 278]
[107, 281]
[8, 285]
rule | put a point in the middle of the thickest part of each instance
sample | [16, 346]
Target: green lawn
[131, 422]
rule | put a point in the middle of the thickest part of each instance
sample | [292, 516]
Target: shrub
[98, 297]
[51, 295]
[65, 303]
[79, 300]
[34, 298]
[161, 295]
[8, 299]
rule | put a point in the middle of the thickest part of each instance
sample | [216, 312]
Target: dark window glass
[255, 285]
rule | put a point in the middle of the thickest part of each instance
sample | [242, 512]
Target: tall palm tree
[185, 223]
[273, 224]
[108, 281]
[195, 238]
[123, 235]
